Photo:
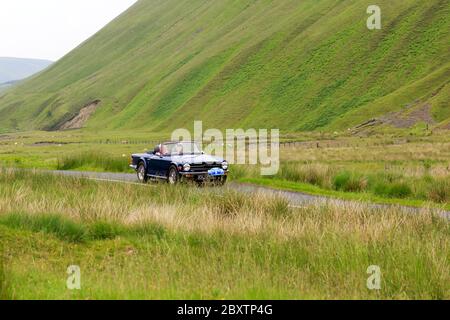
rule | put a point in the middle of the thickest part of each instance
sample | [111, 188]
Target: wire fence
[316, 144]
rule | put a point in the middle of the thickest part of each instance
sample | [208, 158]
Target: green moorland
[288, 64]
[411, 169]
[164, 242]
[310, 68]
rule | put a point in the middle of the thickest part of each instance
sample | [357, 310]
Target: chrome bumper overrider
[203, 173]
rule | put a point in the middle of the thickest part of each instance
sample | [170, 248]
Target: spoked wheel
[222, 181]
[141, 174]
[173, 176]
[201, 183]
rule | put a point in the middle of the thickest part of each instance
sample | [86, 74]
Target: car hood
[197, 158]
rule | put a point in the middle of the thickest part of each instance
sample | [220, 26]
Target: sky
[49, 29]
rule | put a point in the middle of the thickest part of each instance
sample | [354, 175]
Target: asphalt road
[296, 199]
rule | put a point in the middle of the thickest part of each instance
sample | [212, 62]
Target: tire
[222, 181]
[172, 176]
[200, 183]
[141, 173]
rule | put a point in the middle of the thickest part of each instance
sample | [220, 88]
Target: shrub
[341, 180]
[55, 224]
[440, 191]
[94, 160]
[399, 190]
[309, 173]
[426, 165]
[392, 190]
[313, 176]
[229, 204]
[101, 230]
[278, 208]
[349, 182]
[5, 292]
[290, 172]
[150, 229]
[238, 172]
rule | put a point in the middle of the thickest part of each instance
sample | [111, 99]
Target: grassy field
[293, 65]
[381, 169]
[309, 68]
[408, 168]
[161, 242]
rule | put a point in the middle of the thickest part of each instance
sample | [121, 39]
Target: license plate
[216, 172]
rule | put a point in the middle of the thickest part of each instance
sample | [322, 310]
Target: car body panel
[158, 166]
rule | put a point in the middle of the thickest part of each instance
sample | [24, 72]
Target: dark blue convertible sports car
[177, 161]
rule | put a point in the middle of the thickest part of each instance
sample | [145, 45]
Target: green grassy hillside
[295, 65]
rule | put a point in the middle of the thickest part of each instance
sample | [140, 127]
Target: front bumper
[204, 175]
[200, 175]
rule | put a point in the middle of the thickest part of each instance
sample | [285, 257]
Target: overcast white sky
[48, 29]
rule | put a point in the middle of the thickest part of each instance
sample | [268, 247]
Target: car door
[153, 165]
[158, 165]
[165, 163]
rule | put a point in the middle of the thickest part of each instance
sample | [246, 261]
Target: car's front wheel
[222, 181]
[219, 182]
[141, 173]
[173, 176]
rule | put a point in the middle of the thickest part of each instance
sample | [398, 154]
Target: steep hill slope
[295, 65]
[13, 69]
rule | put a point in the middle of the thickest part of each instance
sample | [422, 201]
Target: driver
[164, 150]
[179, 149]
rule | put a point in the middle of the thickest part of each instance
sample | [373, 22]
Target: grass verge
[356, 196]
[162, 242]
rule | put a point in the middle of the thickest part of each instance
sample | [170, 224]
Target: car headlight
[186, 167]
[224, 165]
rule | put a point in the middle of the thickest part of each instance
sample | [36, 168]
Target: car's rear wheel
[141, 173]
[173, 176]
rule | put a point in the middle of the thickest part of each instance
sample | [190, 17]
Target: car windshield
[180, 148]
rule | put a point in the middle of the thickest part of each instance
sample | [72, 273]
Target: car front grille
[203, 167]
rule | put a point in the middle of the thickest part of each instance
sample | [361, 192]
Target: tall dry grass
[190, 209]
[411, 171]
[216, 242]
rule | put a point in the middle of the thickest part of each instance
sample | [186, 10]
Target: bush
[440, 191]
[349, 182]
[238, 172]
[93, 160]
[278, 208]
[229, 204]
[150, 229]
[393, 190]
[5, 293]
[55, 224]
[313, 174]
[399, 190]
[101, 230]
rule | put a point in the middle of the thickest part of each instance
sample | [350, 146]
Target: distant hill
[14, 69]
[288, 64]
[6, 85]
